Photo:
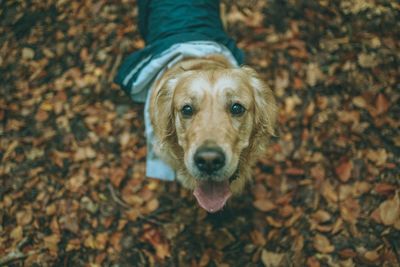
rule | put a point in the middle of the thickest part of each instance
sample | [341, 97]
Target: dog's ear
[265, 106]
[161, 108]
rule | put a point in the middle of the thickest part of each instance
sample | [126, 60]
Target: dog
[208, 118]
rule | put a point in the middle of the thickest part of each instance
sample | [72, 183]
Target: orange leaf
[343, 171]
[381, 104]
[264, 205]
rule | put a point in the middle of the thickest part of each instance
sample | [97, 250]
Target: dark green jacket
[163, 23]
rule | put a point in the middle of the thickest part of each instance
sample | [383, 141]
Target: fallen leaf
[329, 192]
[257, 238]
[322, 244]
[350, 210]
[314, 74]
[24, 217]
[28, 53]
[389, 210]
[321, 216]
[51, 243]
[17, 233]
[379, 157]
[381, 104]
[101, 240]
[367, 60]
[343, 171]
[371, 256]
[264, 205]
[272, 259]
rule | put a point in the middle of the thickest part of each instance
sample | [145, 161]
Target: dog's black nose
[209, 159]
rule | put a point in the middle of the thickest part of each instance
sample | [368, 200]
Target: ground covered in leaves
[72, 149]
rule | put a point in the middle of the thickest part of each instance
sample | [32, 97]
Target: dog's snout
[209, 159]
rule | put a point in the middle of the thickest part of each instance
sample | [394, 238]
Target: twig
[123, 204]
[116, 198]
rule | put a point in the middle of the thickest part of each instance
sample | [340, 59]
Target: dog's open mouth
[211, 195]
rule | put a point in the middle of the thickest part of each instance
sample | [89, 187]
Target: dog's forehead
[215, 84]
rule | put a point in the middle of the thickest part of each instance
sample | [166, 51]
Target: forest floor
[72, 150]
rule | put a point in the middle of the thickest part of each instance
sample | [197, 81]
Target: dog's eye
[187, 111]
[237, 109]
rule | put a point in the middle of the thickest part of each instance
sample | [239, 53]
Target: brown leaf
[381, 104]
[329, 192]
[264, 205]
[152, 205]
[83, 153]
[350, 210]
[41, 115]
[157, 241]
[389, 210]
[257, 238]
[24, 217]
[322, 244]
[372, 255]
[343, 171]
[294, 171]
[379, 157]
[313, 262]
[321, 216]
[359, 101]
[318, 172]
[75, 182]
[73, 244]
[367, 60]
[17, 233]
[314, 74]
[51, 243]
[272, 259]
[116, 176]
[384, 188]
[101, 240]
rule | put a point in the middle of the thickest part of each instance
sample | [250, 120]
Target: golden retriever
[211, 121]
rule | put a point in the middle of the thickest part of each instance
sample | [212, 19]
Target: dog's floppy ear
[265, 106]
[161, 109]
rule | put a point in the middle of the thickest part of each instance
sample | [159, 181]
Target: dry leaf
[379, 157]
[258, 238]
[24, 217]
[389, 211]
[381, 104]
[51, 243]
[28, 53]
[314, 74]
[350, 210]
[101, 240]
[322, 244]
[343, 171]
[372, 255]
[367, 60]
[359, 101]
[264, 205]
[152, 205]
[321, 216]
[329, 192]
[272, 259]
[17, 233]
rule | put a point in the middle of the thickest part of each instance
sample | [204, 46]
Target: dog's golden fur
[211, 85]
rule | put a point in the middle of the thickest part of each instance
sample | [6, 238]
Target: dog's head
[213, 122]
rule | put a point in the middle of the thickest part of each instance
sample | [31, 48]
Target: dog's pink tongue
[212, 195]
